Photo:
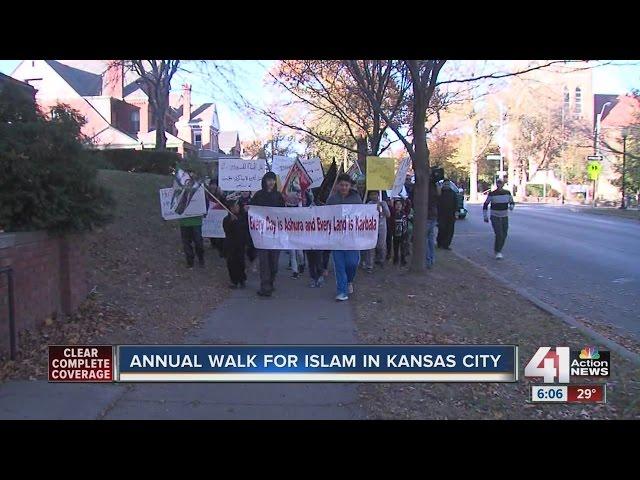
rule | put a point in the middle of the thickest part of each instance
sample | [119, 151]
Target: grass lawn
[457, 303]
[616, 212]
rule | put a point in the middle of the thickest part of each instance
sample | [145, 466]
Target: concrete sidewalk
[295, 314]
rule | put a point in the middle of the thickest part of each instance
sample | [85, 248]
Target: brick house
[230, 143]
[116, 107]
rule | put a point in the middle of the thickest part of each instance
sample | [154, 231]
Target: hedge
[139, 161]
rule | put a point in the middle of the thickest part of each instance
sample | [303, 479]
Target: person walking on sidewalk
[191, 233]
[236, 231]
[400, 232]
[501, 202]
[268, 259]
[447, 206]
[378, 253]
[432, 222]
[314, 257]
[296, 257]
[345, 262]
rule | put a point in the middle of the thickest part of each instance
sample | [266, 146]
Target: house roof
[132, 87]
[624, 111]
[7, 78]
[87, 84]
[200, 112]
[205, 113]
[599, 99]
[149, 139]
[228, 140]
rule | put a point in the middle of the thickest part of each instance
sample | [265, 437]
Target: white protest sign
[182, 203]
[331, 227]
[281, 165]
[313, 166]
[212, 223]
[401, 174]
[237, 174]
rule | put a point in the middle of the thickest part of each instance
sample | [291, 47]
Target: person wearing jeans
[345, 265]
[268, 196]
[191, 234]
[501, 202]
[432, 222]
[316, 270]
[345, 262]
[500, 229]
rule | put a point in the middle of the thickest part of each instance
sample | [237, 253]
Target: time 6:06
[551, 393]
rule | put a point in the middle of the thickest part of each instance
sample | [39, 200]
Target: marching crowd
[395, 232]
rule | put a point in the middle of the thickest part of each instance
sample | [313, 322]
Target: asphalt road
[585, 265]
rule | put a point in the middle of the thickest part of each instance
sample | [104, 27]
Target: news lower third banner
[284, 363]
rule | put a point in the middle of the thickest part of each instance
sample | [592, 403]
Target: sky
[249, 76]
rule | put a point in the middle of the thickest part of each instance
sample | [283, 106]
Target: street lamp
[625, 134]
[596, 140]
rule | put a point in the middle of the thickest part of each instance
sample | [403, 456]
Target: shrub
[46, 183]
[98, 161]
[139, 161]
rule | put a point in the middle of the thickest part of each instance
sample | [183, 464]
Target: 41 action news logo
[561, 363]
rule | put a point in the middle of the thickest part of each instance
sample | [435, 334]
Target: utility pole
[473, 169]
[596, 146]
[625, 133]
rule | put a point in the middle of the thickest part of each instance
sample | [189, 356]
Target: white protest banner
[212, 223]
[241, 175]
[401, 174]
[331, 227]
[181, 202]
[281, 165]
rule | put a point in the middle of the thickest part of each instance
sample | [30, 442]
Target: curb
[568, 319]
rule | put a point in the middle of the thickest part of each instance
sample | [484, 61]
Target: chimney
[113, 80]
[186, 103]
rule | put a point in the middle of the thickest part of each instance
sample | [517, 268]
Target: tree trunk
[162, 103]
[421, 189]
[161, 138]
[362, 153]
[473, 170]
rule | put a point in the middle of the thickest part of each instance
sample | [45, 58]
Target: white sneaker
[498, 256]
[341, 297]
[350, 288]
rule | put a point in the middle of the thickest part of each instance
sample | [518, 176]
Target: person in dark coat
[215, 191]
[447, 206]
[243, 201]
[268, 196]
[236, 231]
[400, 232]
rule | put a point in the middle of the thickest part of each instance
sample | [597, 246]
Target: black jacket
[264, 198]
[236, 232]
[447, 204]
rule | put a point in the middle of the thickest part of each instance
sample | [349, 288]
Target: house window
[578, 106]
[566, 100]
[135, 121]
[197, 139]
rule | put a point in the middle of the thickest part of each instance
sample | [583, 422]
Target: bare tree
[155, 79]
[425, 99]
[329, 94]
